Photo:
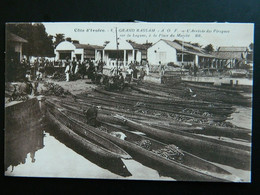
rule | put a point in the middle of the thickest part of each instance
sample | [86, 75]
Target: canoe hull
[90, 151]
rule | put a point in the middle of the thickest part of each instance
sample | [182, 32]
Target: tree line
[40, 43]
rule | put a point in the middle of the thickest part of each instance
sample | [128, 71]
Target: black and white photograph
[136, 100]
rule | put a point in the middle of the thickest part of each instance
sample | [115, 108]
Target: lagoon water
[57, 160]
[54, 159]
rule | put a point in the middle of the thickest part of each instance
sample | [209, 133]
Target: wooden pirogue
[235, 157]
[223, 95]
[205, 106]
[165, 166]
[193, 168]
[231, 154]
[233, 132]
[162, 103]
[153, 107]
[89, 136]
[94, 153]
[174, 129]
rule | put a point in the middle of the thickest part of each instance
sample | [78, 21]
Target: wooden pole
[116, 53]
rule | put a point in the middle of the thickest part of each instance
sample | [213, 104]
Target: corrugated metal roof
[173, 44]
[188, 48]
[229, 55]
[15, 38]
[232, 49]
[200, 54]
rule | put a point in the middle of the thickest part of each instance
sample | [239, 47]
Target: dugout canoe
[235, 157]
[94, 153]
[209, 130]
[88, 135]
[164, 166]
[187, 159]
[77, 109]
[145, 97]
[114, 102]
[176, 105]
[213, 88]
[233, 133]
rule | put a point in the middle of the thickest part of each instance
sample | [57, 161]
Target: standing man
[74, 63]
[129, 74]
[160, 68]
[82, 69]
[142, 74]
[78, 64]
[195, 70]
[182, 67]
[67, 69]
[100, 66]
[91, 71]
[135, 70]
[147, 68]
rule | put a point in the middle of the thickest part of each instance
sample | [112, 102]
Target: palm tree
[59, 38]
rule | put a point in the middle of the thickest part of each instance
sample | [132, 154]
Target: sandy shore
[75, 87]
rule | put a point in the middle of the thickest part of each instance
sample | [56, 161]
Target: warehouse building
[233, 57]
[178, 53]
[77, 50]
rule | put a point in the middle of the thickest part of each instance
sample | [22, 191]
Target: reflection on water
[57, 160]
[19, 144]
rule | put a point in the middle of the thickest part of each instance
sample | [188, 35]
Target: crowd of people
[89, 68]
[117, 72]
[131, 70]
[40, 68]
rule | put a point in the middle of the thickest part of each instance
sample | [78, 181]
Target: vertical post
[116, 53]
[103, 54]
[133, 53]
[196, 59]
[21, 51]
[82, 56]
[124, 57]
[95, 55]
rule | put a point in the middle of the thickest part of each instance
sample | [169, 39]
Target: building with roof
[125, 52]
[14, 46]
[179, 53]
[79, 51]
[234, 57]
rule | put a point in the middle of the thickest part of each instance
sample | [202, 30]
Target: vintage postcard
[133, 101]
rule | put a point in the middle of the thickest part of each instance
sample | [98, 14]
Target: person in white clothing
[67, 70]
[77, 67]
[147, 68]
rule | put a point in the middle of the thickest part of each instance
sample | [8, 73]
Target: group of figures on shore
[94, 70]
[38, 69]
[74, 68]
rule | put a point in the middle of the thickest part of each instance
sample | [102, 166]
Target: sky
[217, 34]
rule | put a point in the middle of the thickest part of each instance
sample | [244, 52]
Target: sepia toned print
[145, 101]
